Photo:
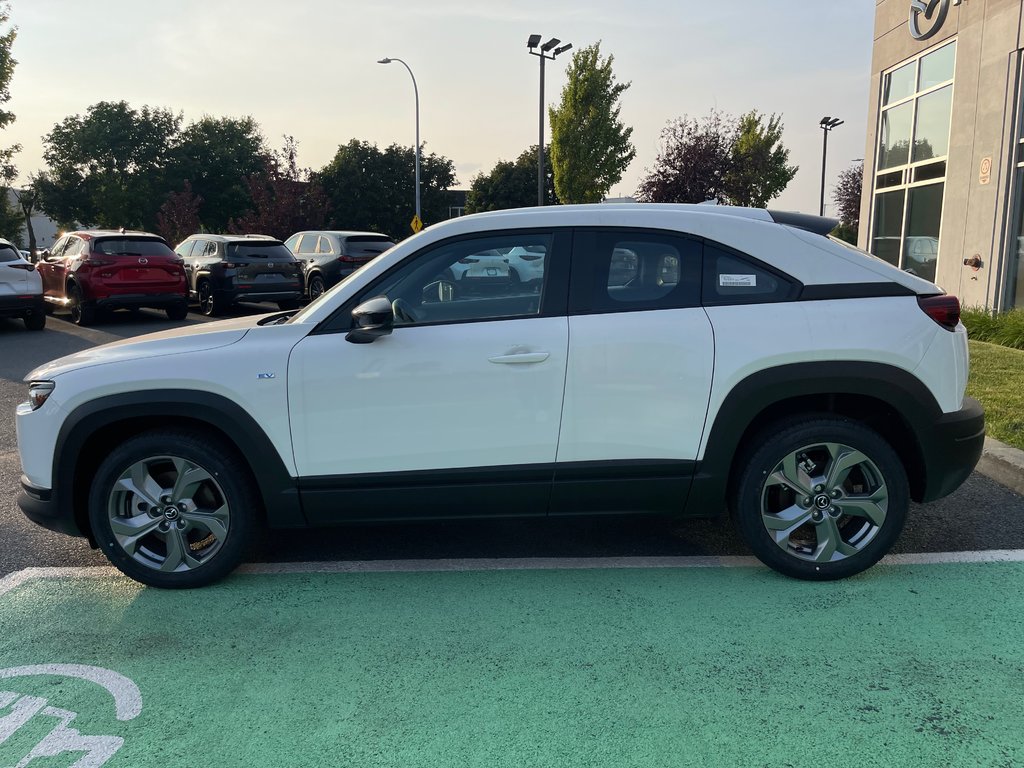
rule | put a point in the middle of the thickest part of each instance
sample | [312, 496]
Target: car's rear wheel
[209, 304]
[173, 508]
[81, 313]
[177, 312]
[36, 321]
[316, 287]
[821, 498]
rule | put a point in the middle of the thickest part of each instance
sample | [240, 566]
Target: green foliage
[1005, 328]
[847, 196]
[109, 168]
[11, 220]
[511, 185]
[590, 146]
[178, 217]
[367, 188]
[760, 168]
[215, 156]
[10, 215]
[718, 157]
[845, 233]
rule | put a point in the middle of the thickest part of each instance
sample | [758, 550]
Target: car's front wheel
[173, 508]
[820, 498]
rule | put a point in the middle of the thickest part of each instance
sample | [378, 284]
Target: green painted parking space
[905, 665]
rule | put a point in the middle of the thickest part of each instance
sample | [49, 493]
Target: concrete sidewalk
[1004, 464]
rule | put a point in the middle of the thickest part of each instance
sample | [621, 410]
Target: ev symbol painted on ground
[63, 739]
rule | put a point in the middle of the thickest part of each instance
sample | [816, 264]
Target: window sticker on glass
[737, 281]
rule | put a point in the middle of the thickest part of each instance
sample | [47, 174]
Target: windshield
[131, 246]
[262, 249]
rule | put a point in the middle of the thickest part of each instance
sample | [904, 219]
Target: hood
[193, 338]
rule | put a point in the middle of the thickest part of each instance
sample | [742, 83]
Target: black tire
[209, 304]
[864, 541]
[36, 321]
[315, 288]
[230, 479]
[177, 312]
[82, 313]
[286, 306]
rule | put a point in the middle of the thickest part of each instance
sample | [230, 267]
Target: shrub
[1006, 328]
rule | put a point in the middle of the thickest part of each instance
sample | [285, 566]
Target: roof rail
[819, 225]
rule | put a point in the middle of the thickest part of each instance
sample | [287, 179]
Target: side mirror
[373, 318]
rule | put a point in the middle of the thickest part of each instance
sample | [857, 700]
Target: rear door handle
[520, 358]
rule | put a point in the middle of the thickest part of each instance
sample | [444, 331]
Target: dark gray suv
[328, 256]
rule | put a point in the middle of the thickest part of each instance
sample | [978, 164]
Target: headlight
[38, 392]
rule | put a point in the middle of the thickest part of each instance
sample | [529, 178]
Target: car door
[456, 412]
[47, 268]
[641, 357]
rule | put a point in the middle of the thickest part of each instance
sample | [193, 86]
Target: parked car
[330, 256]
[749, 362]
[93, 270]
[21, 288]
[226, 269]
[482, 272]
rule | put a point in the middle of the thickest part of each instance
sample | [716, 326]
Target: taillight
[231, 265]
[944, 310]
[530, 256]
[92, 261]
[348, 259]
[26, 267]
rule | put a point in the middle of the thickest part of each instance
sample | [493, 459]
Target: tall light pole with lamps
[418, 221]
[544, 53]
[827, 124]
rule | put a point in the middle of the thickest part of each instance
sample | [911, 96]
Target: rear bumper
[20, 306]
[953, 449]
[257, 294]
[40, 506]
[123, 300]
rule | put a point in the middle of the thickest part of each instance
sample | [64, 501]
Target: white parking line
[16, 579]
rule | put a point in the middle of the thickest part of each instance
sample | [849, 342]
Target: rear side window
[621, 271]
[307, 244]
[9, 253]
[270, 250]
[733, 279]
[131, 246]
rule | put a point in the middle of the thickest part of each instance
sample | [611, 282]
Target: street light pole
[827, 124]
[544, 53]
[416, 93]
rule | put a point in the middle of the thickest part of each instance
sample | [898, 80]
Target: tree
[590, 146]
[10, 219]
[759, 170]
[28, 201]
[178, 217]
[738, 162]
[692, 162]
[511, 184]
[372, 189]
[108, 168]
[216, 155]
[847, 199]
[283, 199]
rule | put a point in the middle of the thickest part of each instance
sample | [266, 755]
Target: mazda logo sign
[143, 261]
[928, 16]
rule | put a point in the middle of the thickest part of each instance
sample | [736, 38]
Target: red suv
[99, 269]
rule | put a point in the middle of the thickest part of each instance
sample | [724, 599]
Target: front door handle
[520, 358]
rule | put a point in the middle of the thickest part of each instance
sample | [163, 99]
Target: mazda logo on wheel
[928, 16]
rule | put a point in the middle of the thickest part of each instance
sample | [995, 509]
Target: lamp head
[562, 49]
[550, 44]
[533, 42]
[384, 61]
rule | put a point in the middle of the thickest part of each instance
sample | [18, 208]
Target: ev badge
[62, 739]
[934, 12]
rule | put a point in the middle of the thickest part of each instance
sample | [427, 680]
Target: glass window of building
[1015, 272]
[910, 173]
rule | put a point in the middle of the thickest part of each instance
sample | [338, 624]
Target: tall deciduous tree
[108, 167]
[847, 196]
[372, 189]
[10, 219]
[760, 168]
[590, 146]
[739, 162]
[510, 184]
[216, 155]
[178, 217]
[28, 201]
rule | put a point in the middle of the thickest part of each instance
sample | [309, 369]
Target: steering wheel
[403, 312]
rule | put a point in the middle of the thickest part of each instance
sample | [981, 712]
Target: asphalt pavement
[982, 515]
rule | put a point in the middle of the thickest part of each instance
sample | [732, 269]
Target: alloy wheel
[824, 502]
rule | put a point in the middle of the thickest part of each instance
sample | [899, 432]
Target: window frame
[554, 295]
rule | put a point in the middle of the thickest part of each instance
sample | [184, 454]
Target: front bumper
[953, 449]
[41, 507]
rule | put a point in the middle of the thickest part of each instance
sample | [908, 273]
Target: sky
[307, 68]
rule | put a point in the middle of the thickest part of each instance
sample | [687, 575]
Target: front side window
[913, 148]
[485, 278]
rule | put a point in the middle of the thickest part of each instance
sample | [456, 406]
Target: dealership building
[944, 166]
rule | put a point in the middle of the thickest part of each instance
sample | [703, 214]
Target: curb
[1004, 464]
